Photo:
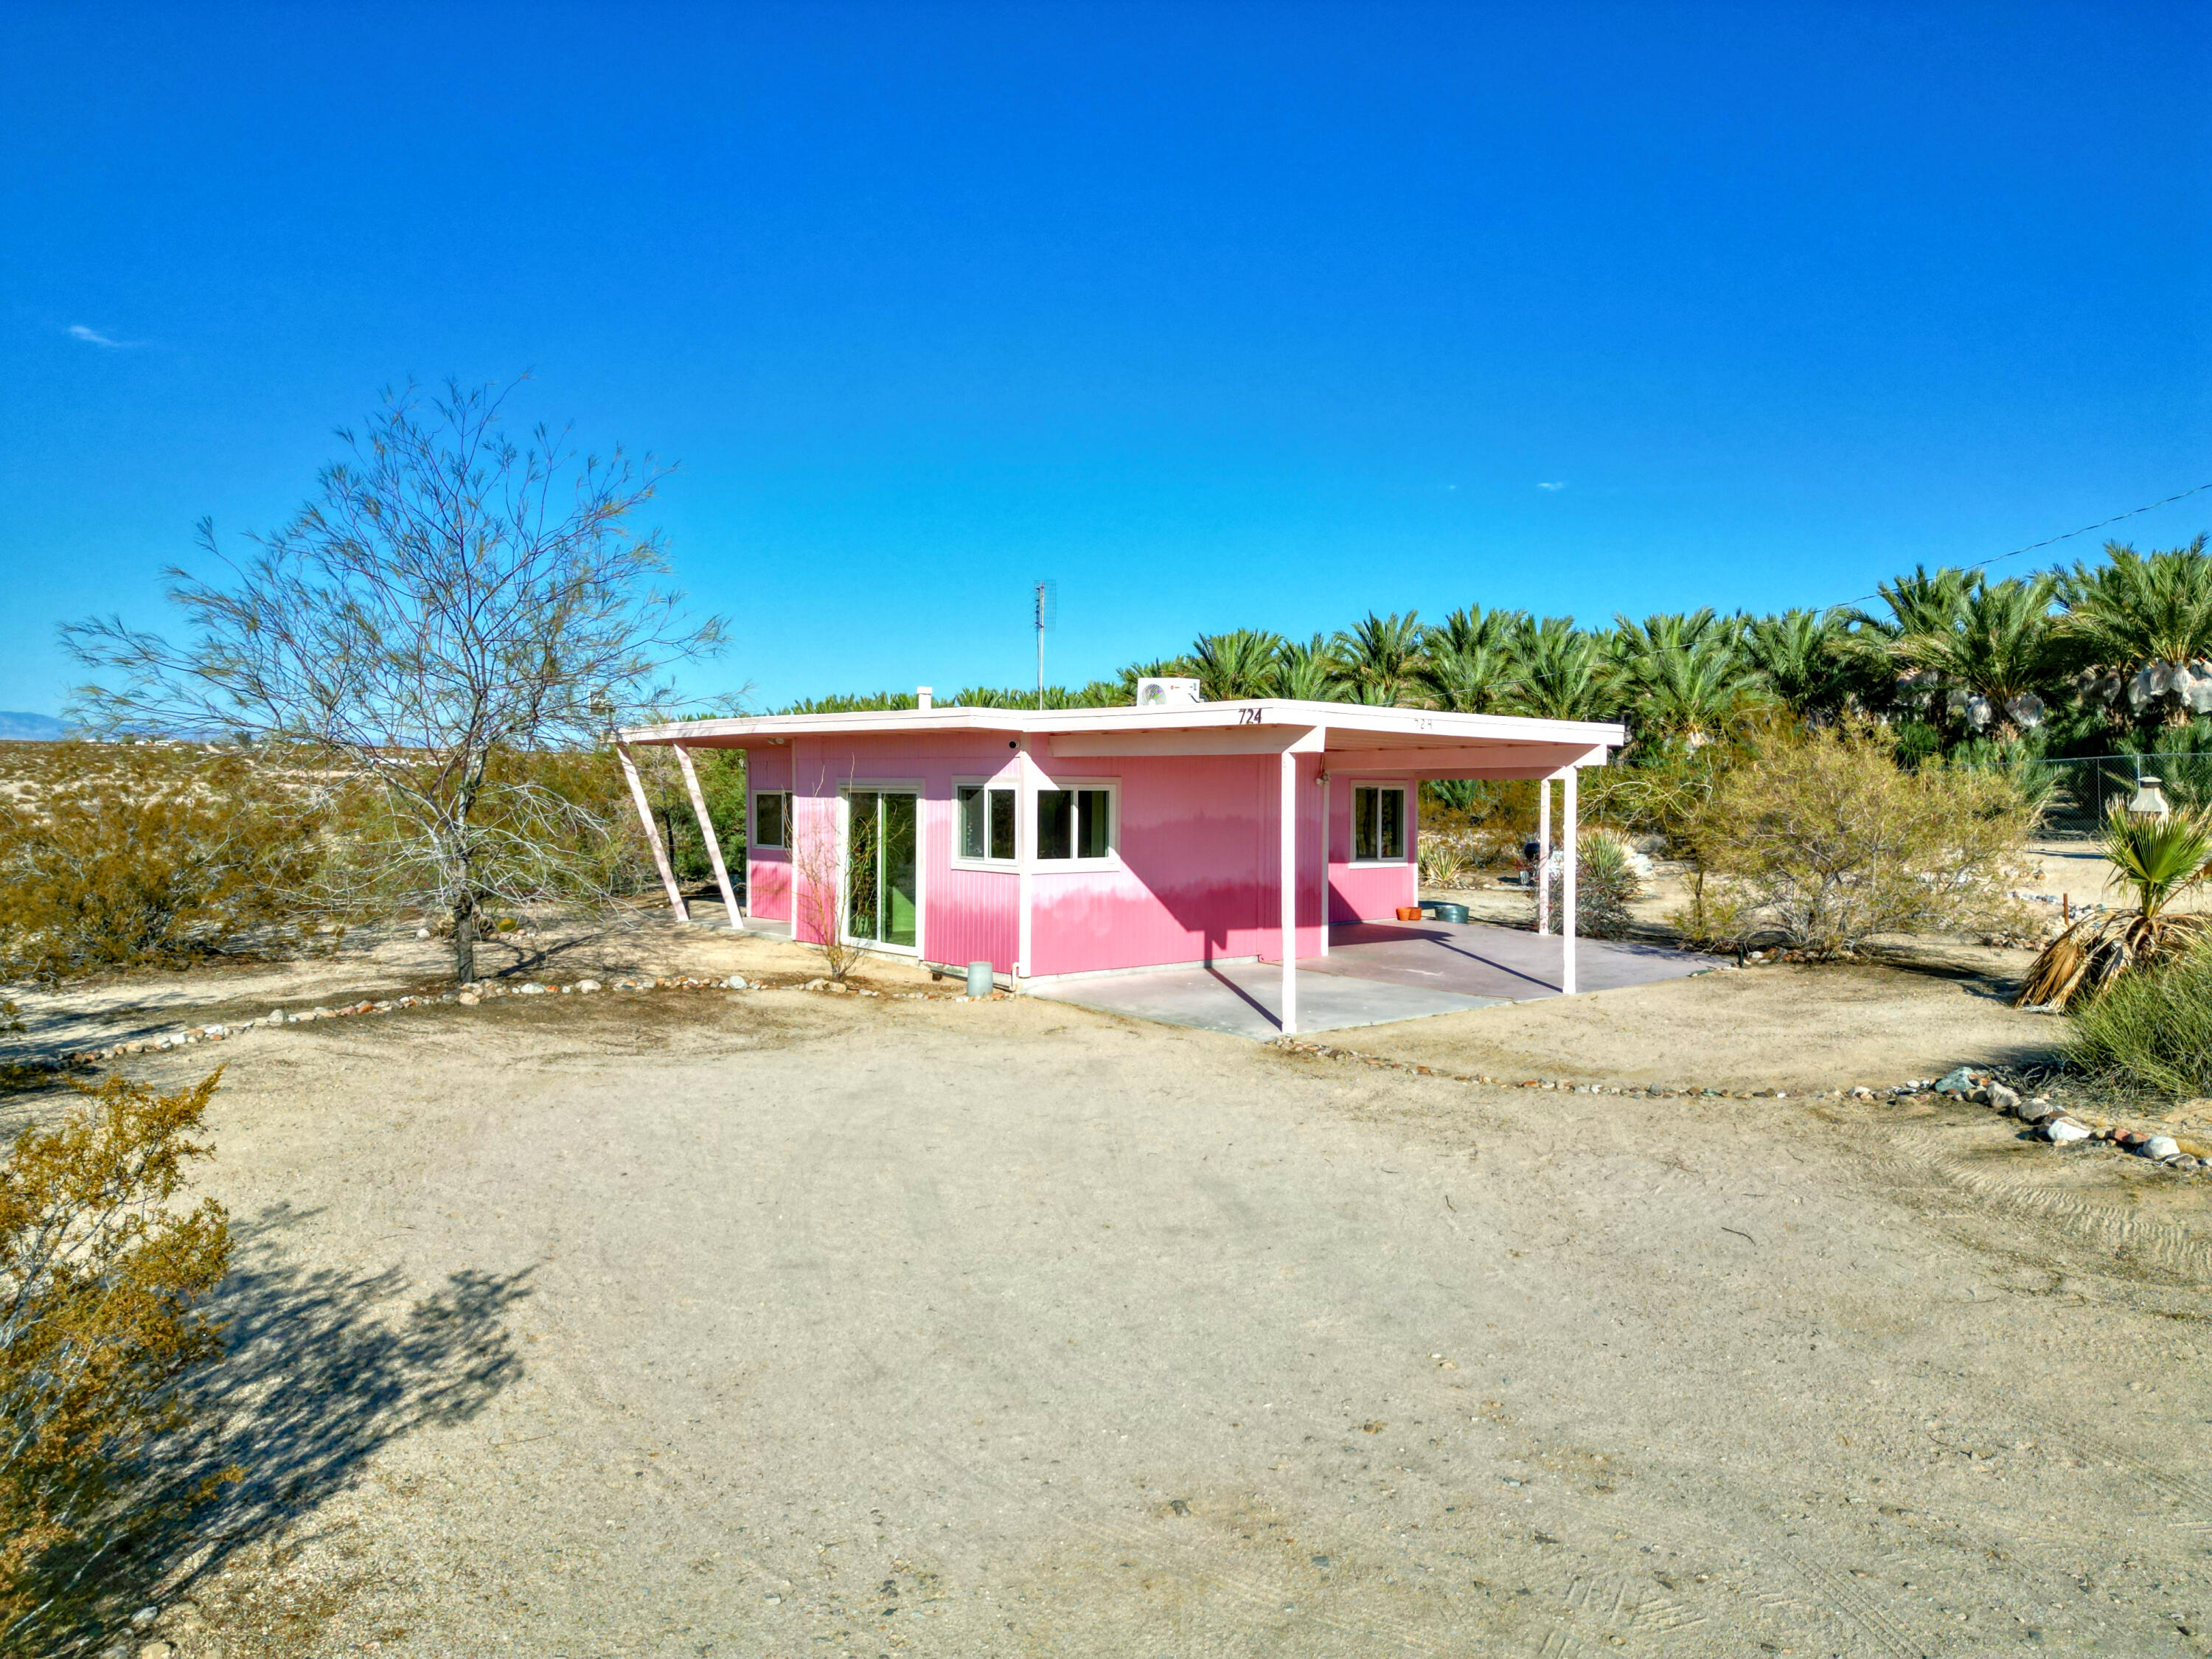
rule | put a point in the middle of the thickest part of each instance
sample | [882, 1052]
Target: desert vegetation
[451, 620]
[105, 1272]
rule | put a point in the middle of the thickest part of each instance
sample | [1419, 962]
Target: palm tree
[1559, 672]
[1380, 656]
[2000, 645]
[2158, 859]
[1925, 602]
[1308, 673]
[1239, 663]
[1466, 664]
[2137, 614]
[1689, 693]
[1806, 660]
[1675, 631]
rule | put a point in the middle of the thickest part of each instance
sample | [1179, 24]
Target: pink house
[1074, 842]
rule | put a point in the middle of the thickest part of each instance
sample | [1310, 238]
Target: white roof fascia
[1429, 726]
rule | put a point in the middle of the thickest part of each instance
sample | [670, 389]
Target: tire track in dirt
[1827, 1595]
[2181, 1249]
[2177, 1247]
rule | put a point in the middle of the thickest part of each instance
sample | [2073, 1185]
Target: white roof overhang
[1351, 736]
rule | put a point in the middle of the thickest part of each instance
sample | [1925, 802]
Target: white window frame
[1112, 787]
[916, 787]
[1406, 796]
[752, 821]
[1008, 781]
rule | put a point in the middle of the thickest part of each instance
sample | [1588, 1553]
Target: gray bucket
[979, 979]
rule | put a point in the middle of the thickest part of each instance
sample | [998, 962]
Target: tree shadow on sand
[323, 1370]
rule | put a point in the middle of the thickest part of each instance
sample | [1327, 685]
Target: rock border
[1962, 1083]
[463, 996]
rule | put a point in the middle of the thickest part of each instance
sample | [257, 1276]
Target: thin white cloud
[1556, 484]
[93, 336]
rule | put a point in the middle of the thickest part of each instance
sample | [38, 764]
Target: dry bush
[102, 1276]
[549, 827]
[819, 883]
[1606, 884]
[1820, 841]
[114, 855]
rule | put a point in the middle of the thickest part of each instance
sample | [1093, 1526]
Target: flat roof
[1346, 726]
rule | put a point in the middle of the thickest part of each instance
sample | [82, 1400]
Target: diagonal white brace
[707, 829]
[652, 832]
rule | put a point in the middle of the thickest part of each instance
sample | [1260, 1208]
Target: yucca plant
[2158, 860]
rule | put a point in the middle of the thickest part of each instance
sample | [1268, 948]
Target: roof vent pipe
[922, 696]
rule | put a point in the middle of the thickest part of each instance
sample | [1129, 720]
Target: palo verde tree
[452, 605]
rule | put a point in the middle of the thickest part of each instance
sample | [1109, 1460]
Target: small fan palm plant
[2158, 860]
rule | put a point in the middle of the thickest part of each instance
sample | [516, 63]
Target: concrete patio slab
[1246, 998]
[1480, 959]
[1376, 974]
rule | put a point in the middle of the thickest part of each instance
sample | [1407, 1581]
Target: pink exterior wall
[1200, 846]
[1195, 878]
[1370, 892]
[767, 870]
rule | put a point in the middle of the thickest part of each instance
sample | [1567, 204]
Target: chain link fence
[2084, 787]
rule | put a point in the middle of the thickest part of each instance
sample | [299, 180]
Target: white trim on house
[1006, 780]
[1077, 863]
[1351, 726]
[753, 798]
[1153, 967]
[1409, 796]
[916, 787]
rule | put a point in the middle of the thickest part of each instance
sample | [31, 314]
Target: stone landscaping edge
[465, 996]
[2048, 1121]
[1981, 1087]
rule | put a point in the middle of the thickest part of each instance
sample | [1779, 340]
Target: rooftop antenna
[1045, 598]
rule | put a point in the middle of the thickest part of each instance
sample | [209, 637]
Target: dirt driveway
[777, 1324]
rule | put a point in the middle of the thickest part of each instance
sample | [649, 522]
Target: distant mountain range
[16, 727]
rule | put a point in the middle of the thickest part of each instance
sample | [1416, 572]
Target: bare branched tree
[451, 603]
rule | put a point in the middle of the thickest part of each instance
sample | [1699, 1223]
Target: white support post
[1290, 884]
[1325, 901]
[652, 834]
[1025, 806]
[1572, 856]
[707, 830]
[1544, 855]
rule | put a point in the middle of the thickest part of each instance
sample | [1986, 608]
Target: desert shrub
[1821, 842]
[1447, 858]
[550, 826]
[2158, 862]
[1606, 884]
[2021, 762]
[2151, 1032]
[113, 855]
[103, 1279]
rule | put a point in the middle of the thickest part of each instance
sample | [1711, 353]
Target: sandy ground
[1782, 1026]
[779, 1324]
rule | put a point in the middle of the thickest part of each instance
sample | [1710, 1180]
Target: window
[771, 818]
[1075, 823]
[1378, 825]
[986, 821]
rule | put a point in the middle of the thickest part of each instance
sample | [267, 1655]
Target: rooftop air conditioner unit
[1166, 693]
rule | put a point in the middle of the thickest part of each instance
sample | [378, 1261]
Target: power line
[2052, 541]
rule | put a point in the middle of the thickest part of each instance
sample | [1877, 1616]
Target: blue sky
[1217, 315]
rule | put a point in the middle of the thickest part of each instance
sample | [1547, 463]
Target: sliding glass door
[882, 903]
